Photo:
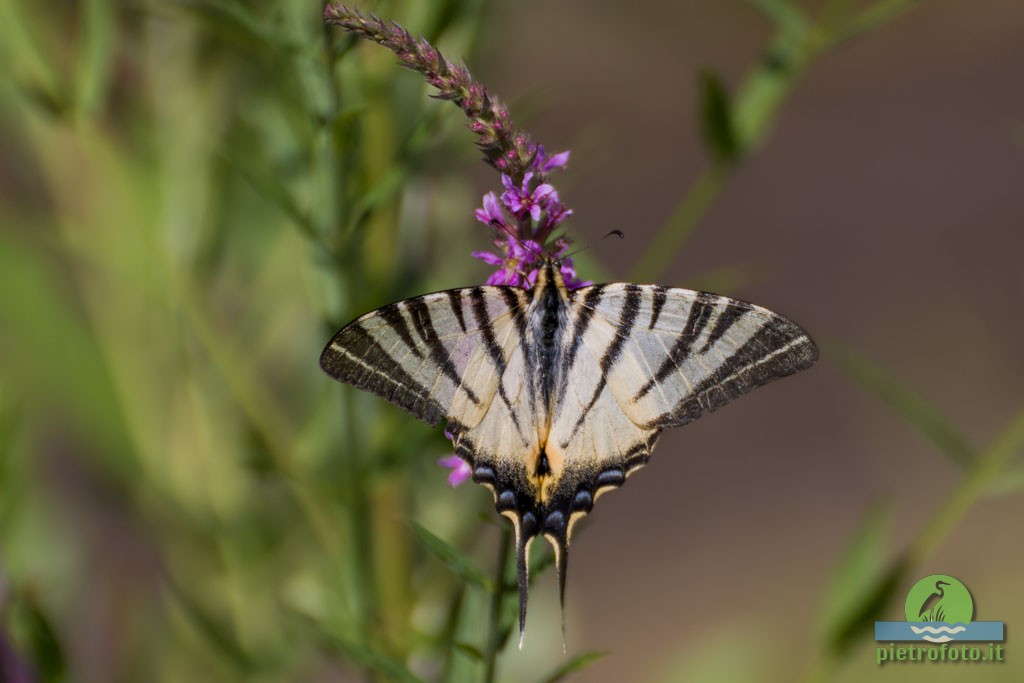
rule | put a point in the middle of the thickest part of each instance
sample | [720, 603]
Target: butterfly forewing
[686, 352]
[438, 356]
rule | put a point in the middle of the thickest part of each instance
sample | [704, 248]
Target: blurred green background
[195, 194]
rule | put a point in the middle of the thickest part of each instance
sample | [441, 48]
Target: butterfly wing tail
[560, 544]
[524, 536]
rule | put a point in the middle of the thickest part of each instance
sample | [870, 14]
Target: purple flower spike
[528, 210]
[459, 469]
[505, 146]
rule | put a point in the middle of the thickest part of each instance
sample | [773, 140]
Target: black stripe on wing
[411, 332]
[455, 301]
[700, 313]
[623, 329]
[484, 323]
[658, 298]
[354, 356]
[778, 349]
[439, 354]
[392, 315]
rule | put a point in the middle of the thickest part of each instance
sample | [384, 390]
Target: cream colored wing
[672, 354]
[641, 358]
[438, 356]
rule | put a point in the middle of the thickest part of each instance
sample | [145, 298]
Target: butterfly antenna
[617, 233]
[495, 223]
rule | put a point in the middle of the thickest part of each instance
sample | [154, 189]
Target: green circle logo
[939, 598]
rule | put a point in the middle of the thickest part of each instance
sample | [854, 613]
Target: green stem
[759, 99]
[987, 468]
[360, 524]
[874, 16]
[494, 639]
[335, 195]
[451, 632]
[687, 214]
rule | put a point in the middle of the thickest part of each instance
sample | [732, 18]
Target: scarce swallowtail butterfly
[555, 396]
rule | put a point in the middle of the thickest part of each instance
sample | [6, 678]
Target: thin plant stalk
[494, 634]
[760, 98]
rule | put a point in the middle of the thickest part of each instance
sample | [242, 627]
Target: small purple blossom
[526, 200]
[460, 470]
[545, 164]
[488, 258]
[491, 214]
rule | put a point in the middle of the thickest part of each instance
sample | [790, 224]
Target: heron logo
[939, 609]
[939, 599]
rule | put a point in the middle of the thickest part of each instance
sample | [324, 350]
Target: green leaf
[854, 581]
[909, 404]
[471, 651]
[785, 15]
[577, 663]
[1009, 482]
[716, 119]
[43, 647]
[95, 58]
[271, 189]
[218, 634]
[383, 190]
[461, 565]
[871, 600]
[233, 21]
[51, 351]
[391, 669]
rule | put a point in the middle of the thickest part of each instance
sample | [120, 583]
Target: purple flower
[523, 201]
[544, 163]
[569, 275]
[459, 469]
[525, 250]
[488, 258]
[492, 213]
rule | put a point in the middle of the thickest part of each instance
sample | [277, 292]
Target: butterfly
[554, 396]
